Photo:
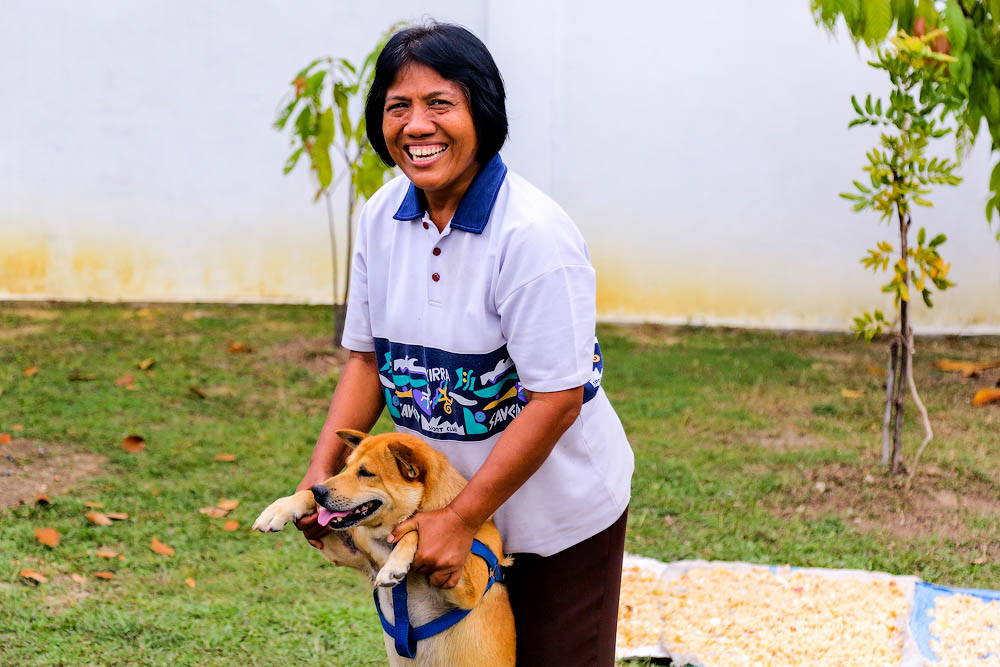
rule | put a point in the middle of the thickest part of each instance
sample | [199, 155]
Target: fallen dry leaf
[238, 347]
[197, 392]
[4, 438]
[118, 516]
[225, 457]
[227, 505]
[125, 380]
[47, 536]
[986, 396]
[850, 393]
[230, 525]
[78, 578]
[133, 444]
[214, 512]
[106, 553]
[43, 499]
[99, 519]
[120, 557]
[147, 363]
[30, 370]
[161, 548]
[104, 575]
[94, 504]
[32, 574]
[966, 368]
[877, 371]
[190, 582]
[16, 427]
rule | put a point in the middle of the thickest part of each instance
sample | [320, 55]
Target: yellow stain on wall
[24, 266]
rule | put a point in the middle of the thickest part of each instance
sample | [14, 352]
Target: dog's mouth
[339, 519]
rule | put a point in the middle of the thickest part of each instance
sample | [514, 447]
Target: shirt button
[436, 277]
[426, 226]
[436, 251]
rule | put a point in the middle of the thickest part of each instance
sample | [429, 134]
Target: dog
[387, 479]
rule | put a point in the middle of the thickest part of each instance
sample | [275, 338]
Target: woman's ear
[351, 437]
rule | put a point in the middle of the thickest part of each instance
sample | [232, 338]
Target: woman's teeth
[425, 153]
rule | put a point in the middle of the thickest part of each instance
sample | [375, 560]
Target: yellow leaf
[47, 536]
[230, 525]
[213, 512]
[225, 457]
[904, 293]
[99, 519]
[228, 505]
[147, 363]
[78, 578]
[104, 575]
[161, 548]
[32, 574]
[190, 582]
[850, 393]
[118, 516]
[30, 370]
[102, 553]
[133, 444]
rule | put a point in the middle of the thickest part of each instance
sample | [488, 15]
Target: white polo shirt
[464, 320]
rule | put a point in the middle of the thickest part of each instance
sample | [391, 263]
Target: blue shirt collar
[477, 203]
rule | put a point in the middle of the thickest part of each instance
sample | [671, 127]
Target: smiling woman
[471, 319]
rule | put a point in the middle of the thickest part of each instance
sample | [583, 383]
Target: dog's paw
[277, 514]
[390, 575]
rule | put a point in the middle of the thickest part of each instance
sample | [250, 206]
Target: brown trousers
[566, 605]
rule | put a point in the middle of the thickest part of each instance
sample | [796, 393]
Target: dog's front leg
[398, 564]
[286, 509]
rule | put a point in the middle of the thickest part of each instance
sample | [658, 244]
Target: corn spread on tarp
[723, 613]
[956, 626]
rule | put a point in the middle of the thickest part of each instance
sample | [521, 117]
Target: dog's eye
[364, 473]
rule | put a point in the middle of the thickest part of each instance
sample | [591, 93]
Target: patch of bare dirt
[316, 355]
[789, 439]
[939, 504]
[28, 468]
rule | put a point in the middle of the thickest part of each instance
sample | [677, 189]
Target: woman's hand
[444, 544]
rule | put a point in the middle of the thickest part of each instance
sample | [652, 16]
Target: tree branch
[923, 412]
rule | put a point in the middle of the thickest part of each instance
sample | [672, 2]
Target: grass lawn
[746, 449]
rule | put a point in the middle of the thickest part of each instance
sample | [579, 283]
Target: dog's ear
[411, 464]
[351, 437]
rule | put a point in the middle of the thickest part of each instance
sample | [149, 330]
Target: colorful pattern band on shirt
[449, 396]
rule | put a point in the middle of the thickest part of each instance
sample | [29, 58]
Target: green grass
[727, 428]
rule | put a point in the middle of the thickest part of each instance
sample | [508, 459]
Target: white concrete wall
[700, 149]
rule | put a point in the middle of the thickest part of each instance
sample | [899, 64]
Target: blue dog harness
[405, 635]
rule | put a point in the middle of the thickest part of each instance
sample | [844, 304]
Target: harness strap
[404, 635]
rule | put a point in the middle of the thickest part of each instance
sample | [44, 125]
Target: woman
[471, 318]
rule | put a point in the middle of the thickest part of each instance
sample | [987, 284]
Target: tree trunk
[890, 386]
[338, 329]
[903, 357]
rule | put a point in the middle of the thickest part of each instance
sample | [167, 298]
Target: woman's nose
[418, 125]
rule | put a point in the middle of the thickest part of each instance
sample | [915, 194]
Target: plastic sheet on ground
[925, 600]
[666, 572]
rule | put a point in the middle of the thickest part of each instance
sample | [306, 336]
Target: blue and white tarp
[925, 599]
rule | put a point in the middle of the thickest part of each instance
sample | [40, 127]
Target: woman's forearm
[520, 451]
[357, 403]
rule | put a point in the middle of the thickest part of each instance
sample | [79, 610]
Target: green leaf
[927, 298]
[326, 130]
[921, 235]
[282, 118]
[320, 156]
[293, 159]
[877, 20]
[343, 104]
[314, 83]
[957, 29]
[868, 104]
[857, 107]
[303, 123]
[937, 240]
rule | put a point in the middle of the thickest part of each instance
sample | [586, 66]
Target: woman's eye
[364, 473]
[440, 103]
[393, 107]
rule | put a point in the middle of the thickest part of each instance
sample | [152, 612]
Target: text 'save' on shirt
[463, 321]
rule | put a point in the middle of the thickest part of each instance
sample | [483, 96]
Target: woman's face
[429, 131]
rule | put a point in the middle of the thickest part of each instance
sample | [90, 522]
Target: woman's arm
[357, 403]
[446, 535]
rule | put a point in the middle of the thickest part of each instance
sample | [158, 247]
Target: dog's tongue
[326, 516]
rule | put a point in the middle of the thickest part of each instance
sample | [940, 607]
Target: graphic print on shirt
[449, 396]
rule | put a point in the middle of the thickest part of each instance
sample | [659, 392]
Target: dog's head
[382, 483]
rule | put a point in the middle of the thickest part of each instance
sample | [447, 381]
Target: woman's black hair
[457, 55]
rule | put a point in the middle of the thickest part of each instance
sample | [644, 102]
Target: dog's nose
[320, 493]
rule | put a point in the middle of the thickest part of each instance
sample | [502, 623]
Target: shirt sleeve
[549, 320]
[358, 321]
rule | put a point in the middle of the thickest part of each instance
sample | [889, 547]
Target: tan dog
[389, 478]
